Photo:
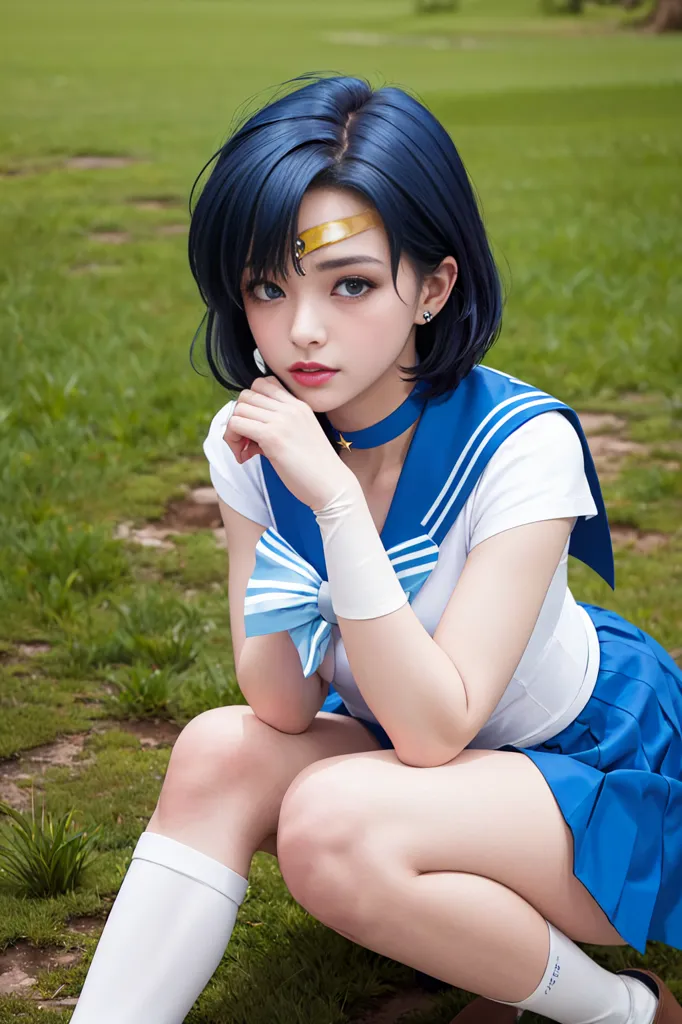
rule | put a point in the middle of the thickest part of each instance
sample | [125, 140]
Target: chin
[320, 403]
[319, 399]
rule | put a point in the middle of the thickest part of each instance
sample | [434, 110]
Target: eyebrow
[345, 261]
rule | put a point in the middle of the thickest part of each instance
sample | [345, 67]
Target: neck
[381, 463]
[371, 406]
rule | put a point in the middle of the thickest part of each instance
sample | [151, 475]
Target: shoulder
[546, 445]
[537, 473]
[550, 432]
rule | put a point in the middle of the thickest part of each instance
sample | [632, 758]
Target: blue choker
[396, 423]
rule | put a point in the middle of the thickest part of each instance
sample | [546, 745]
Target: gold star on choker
[344, 444]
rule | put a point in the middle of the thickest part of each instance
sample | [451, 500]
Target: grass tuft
[46, 856]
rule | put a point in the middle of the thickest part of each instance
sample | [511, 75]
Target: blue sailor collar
[456, 436]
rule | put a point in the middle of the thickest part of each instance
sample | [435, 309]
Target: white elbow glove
[362, 582]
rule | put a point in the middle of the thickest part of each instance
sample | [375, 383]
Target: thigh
[323, 738]
[228, 766]
[488, 813]
[269, 845]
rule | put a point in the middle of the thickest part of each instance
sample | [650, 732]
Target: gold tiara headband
[333, 231]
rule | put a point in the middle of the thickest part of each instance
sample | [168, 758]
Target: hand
[278, 425]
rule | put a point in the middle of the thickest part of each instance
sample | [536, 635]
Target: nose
[307, 325]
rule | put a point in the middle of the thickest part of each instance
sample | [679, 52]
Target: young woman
[457, 765]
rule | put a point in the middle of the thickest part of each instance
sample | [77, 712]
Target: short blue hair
[382, 144]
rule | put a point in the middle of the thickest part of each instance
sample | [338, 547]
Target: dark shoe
[484, 1011]
[669, 1010]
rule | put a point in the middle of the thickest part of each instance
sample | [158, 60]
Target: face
[344, 313]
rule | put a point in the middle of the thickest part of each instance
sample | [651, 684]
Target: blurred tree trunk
[665, 17]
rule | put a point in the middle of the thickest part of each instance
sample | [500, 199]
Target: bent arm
[433, 694]
[268, 668]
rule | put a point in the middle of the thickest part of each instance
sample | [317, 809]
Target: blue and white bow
[287, 592]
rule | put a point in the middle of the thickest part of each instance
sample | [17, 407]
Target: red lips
[309, 366]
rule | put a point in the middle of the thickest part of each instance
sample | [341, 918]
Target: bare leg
[228, 775]
[176, 909]
[455, 871]
[269, 844]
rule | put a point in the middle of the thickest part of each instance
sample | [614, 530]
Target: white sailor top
[493, 454]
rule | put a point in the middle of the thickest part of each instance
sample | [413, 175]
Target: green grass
[570, 129]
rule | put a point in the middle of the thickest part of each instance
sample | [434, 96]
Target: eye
[354, 284]
[264, 291]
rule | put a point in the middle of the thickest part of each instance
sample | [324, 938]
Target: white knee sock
[164, 937]
[576, 990]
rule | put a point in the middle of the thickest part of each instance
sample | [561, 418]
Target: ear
[436, 288]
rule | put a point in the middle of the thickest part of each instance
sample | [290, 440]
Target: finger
[250, 449]
[272, 387]
[265, 412]
[256, 398]
[245, 428]
[234, 434]
[235, 444]
[242, 447]
[237, 438]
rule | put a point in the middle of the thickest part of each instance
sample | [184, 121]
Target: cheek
[262, 324]
[387, 317]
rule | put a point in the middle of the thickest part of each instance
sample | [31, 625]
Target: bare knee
[219, 757]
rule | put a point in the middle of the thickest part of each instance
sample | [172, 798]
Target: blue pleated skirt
[616, 774]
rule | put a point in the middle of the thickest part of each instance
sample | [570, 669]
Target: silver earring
[258, 360]
[427, 315]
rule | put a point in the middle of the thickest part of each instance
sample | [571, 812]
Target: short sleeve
[537, 473]
[240, 486]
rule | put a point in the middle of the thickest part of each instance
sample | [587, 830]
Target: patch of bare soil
[93, 268]
[110, 237]
[197, 511]
[75, 163]
[24, 170]
[21, 963]
[609, 449]
[68, 1002]
[67, 751]
[32, 764]
[602, 422]
[85, 925]
[10, 794]
[381, 39]
[173, 229]
[97, 163]
[31, 649]
[147, 536]
[640, 540]
[396, 1006]
[14, 172]
[151, 733]
[155, 202]
[641, 398]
